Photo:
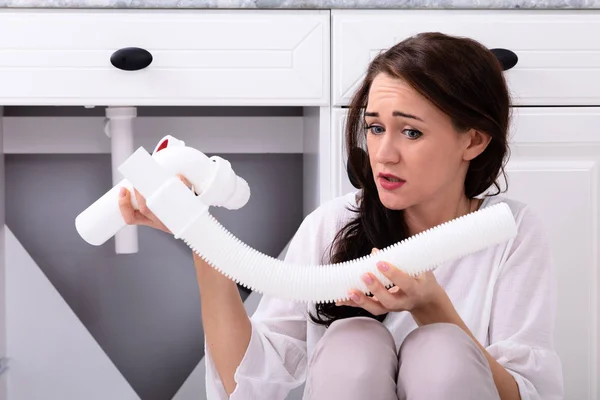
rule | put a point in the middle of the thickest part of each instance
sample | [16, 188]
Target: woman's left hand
[421, 295]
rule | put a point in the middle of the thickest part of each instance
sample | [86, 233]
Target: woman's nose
[387, 152]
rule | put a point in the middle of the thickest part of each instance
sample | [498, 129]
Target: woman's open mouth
[390, 182]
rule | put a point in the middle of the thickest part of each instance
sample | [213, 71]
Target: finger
[185, 181]
[426, 276]
[143, 207]
[127, 211]
[383, 295]
[401, 279]
[376, 250]
[130, 215]
[189, 184]
[349, 301]
[345, 303]
[368, 303]
[146, 216]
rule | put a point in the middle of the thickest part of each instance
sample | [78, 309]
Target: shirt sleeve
[523, 314]
[275, 360]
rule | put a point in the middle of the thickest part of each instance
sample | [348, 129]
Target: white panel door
[555, 157]
[199, 57]
[554, 168]
[558, 50]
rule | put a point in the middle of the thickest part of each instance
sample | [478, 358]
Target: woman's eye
[412, 133]
[376, 129]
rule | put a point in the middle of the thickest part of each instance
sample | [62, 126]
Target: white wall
[53, 356]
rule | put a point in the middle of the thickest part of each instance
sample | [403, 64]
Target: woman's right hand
[143, 215]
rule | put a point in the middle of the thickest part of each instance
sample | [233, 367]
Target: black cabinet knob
[507, 58]
[131, 59]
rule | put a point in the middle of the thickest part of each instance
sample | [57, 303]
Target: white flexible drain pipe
[187, 216]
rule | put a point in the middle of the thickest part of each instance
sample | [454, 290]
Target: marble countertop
[304, 4]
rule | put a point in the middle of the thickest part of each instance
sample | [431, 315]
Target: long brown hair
[463, 79]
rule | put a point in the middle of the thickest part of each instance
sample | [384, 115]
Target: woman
[432, 115]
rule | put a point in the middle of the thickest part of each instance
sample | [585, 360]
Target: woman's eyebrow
[395, 114]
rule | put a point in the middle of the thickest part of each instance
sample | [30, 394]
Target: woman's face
[415, 152]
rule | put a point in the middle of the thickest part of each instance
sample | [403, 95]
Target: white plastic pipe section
[216, 183]
[119, 127]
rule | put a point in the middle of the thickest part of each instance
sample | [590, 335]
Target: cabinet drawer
[559, 54]
[199, 57]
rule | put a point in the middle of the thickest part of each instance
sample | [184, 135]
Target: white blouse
[506, 295]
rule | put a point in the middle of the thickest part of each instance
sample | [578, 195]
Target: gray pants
[357, 359]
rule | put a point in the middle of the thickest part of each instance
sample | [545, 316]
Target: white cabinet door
[558, 50]
[199, 57]
[554, 167]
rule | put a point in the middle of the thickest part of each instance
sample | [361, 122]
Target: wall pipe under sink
[119, 128]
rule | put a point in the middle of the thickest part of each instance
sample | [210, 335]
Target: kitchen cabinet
[555, 140]
[312, 61]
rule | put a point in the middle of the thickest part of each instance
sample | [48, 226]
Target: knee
[358, 338]
[356, 333]
[357, 349]
[438, 339]
[442, 352]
